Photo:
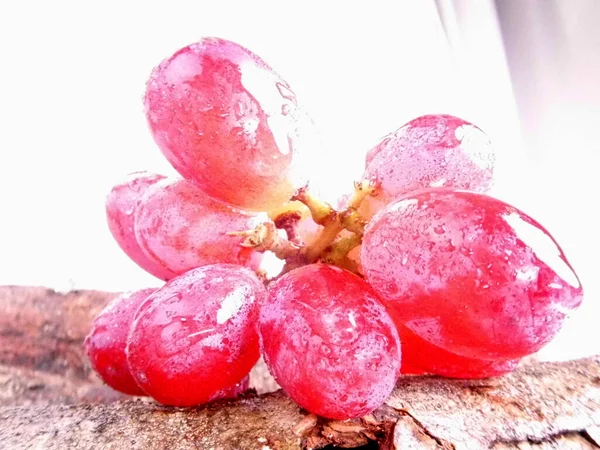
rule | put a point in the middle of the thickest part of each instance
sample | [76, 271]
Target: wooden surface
[49, 398]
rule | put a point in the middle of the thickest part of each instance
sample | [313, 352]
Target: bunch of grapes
[418, 271]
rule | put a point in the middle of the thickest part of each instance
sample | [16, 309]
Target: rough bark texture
[25, 387]
[56, 402]
[43, 330]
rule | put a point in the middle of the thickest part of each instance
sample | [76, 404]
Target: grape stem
[288, 222]
[334, 222]
[328, 246]
[322, 212]
[265, 237]
[337, 253]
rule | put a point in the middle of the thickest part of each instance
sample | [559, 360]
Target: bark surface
[49, 398]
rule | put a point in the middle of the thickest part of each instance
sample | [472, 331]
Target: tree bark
[43, 330]
[539, 406]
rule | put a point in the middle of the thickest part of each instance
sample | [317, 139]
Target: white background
[72, 76]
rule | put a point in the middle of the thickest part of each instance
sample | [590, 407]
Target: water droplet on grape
[384, 141]
[347, 327]
[439, 229]
[286, 92]
[174, 360]
[325, 350]
[466, 250]
[498, 299]
[438, 183]
[176, 296]
[527, 273]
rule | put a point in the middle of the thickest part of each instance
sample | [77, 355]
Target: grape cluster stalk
[418, 271]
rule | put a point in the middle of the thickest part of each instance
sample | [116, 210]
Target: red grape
[469, 273]
[121, 204]
[420, 357]
[196, 335]
[328, 341]
[232, 391]
[228, 123]
[180, 227]
[429, 151]
[105, 344]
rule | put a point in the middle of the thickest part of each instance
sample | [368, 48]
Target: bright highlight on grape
[329, 342]
[228, 123]
[197, 335]
[450, 267]
[417, 271]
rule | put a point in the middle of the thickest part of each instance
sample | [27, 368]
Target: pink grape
[180, 227]
[328, 341]
[196, 336]
[429, 151]
[232, 392]
[105, 344]
[469, 273]
[228, 123]
[420, 357]
[121, 204]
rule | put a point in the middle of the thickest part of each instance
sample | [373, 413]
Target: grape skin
[469, 273]
[121, 204]
[419, 357]
[232, 392]
[429, 151]
[180, 227]
[105, 344]
[227, 122]
[328, 341]
[197, 335]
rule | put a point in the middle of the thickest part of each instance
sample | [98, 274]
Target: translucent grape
[421, 357]
[197, 335]
[469, 273]
[429, 151]
[228, 123]
[121, 204]
[232, 392]
[106, 341]
[328, 341]
[180, 227]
